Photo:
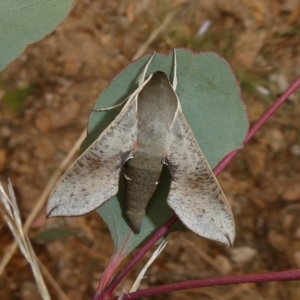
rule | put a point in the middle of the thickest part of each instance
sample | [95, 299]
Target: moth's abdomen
[140, 184]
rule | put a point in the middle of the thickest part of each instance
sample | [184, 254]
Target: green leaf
[23, 22]
[211, 102]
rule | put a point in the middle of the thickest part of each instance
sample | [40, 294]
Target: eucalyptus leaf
[211, 102]
[23, 22]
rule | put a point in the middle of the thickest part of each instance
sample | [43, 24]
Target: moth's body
[156, 108]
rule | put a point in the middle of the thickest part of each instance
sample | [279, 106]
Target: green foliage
[23, 22]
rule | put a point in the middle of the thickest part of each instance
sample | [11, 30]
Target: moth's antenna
[174, 84]
[143, 75]
[111, 107]
[142, 83]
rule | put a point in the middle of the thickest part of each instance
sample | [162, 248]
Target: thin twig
[228, 280]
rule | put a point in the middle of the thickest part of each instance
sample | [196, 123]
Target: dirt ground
[45, 99]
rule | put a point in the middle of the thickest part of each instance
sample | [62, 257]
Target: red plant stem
[253, 278]
[224, 163]
[221, 166]
[140, 253]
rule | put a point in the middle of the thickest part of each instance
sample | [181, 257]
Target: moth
[149, 131]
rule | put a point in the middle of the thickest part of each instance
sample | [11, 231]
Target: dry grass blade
[140, 277]
[12, 217]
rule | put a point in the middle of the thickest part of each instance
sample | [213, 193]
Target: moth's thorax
[157, 104]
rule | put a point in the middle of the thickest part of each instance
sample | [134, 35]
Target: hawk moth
[149, 131]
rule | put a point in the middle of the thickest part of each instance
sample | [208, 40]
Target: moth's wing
[195, 194]
[94, 177]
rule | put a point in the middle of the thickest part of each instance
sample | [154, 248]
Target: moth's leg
[174, 83]
[143, 75]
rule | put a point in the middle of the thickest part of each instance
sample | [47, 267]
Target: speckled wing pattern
[195, 195]
[94, 177]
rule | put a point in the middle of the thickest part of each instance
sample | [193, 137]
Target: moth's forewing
[195, 194]
[93, 178]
